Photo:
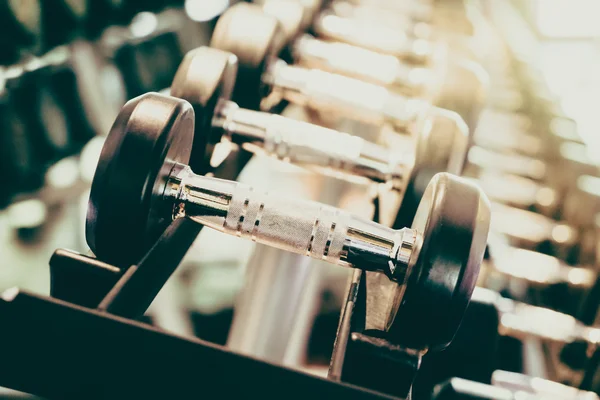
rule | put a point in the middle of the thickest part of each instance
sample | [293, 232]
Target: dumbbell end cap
[151, 134]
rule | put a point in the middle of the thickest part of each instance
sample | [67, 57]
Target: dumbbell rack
[84, 341]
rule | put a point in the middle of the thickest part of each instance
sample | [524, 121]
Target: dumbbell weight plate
[442, 145]
[454, 219]
[204, 77]
[151, 135]
[254, 54]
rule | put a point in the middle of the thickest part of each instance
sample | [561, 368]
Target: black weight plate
[205, 76]
[442, 146]
[149, 63]
[126, 212]
[256, 39]
[453, 219]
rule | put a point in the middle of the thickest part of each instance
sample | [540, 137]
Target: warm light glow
[567, 18]
[27, 213]
[562, 233]
[205, 10]
[143, 24]
[63, 174]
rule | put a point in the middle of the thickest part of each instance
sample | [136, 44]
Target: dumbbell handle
[312, 146]
[381, 38]
[344, 96]
[360, 63]
[298, 226]
[520, 320]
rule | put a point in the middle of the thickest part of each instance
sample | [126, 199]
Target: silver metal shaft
[383, 38]
[364, 64]
[332, 152]
[343, 96]
[521, 320]
[298, 226]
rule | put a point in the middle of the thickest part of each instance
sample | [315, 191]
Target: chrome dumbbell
[142, 183]
[385, 31]
[528, 230]
[521, 320]
[206, 78]
[256, 39]
[533, 268]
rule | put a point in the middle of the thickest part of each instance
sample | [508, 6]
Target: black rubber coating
[453, 219]
[256, 39]
[205, 76]
[442, 146]
[126, 211]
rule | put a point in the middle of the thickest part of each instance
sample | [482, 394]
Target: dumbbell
[206, 78]
[455, 84]
[370, 50]
[519, 192]
[21, 29]
[528, 230]
[528, 388]
[521, 320]
[142, 183]
[256, 39]
[536, 269]
[376, 35]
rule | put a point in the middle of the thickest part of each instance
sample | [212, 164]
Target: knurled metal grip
[304, 227]
[299, 226]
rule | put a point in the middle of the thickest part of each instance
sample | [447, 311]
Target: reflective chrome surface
[333, 152]
[298, 226]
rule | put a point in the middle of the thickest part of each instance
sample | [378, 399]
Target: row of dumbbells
[144, 181]
[553, 139]
[54, 103]
[34, 27]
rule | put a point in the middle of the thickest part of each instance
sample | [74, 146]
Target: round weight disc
[126, 213]
[204, 77]
[463, 90]
[453, 220]
[256, 39]
[290, 15]
[442, 146]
